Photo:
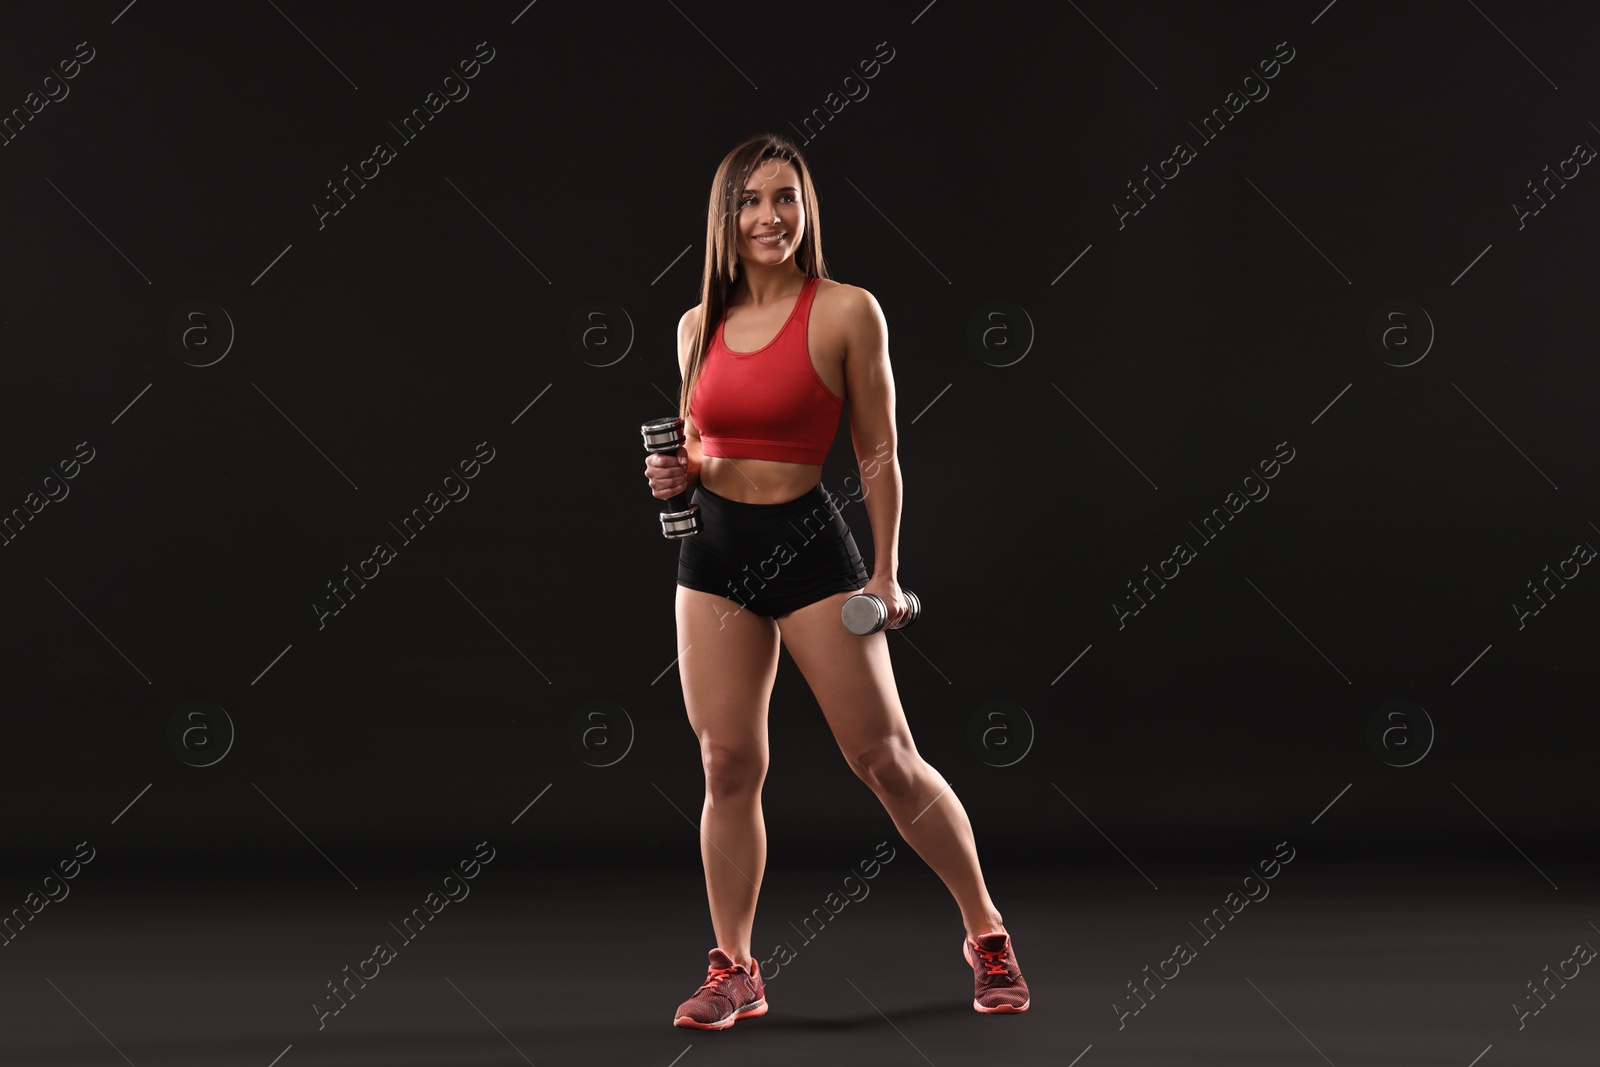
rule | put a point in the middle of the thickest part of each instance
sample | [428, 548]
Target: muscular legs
[728, 660]
[853, 682]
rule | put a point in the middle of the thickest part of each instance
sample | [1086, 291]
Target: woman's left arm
[869, 382]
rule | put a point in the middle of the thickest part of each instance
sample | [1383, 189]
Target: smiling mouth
[772, 240]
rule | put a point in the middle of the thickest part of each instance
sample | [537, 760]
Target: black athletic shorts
[771, 558]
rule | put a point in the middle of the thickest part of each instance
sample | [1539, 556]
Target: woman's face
[770, 205]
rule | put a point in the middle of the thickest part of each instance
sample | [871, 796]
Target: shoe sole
[998, 1009]
[1001, 1009]
[686, 1023]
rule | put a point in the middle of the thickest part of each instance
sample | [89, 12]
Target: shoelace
[715, 979]
[992, 959]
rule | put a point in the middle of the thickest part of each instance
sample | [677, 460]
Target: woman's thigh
[728, 660]
[850, 675]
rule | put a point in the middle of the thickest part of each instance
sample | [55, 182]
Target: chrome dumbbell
[866, 613]
[665, 437]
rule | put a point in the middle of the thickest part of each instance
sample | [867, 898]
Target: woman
[768, 359]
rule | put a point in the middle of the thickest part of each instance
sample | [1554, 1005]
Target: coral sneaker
[998, 985]
[730, 992]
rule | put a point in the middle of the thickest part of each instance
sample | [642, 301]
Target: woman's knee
[890, 767]
[733, 771]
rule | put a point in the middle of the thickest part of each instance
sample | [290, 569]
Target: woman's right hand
[668, 475]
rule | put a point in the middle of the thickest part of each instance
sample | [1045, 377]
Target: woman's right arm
[670, 475]
[688, 326]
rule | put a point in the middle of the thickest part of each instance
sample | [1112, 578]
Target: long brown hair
[722, 239]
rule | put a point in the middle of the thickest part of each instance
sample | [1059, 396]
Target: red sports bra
[770, 403]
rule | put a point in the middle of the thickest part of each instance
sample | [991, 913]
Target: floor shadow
[791, 1020]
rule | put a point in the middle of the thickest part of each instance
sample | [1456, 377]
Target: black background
[374, 353]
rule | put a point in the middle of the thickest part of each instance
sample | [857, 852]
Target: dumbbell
[866, 613]
[664, 437]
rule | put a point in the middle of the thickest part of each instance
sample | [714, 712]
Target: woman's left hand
[888, 590]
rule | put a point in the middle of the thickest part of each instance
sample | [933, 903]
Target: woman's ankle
[985, 926]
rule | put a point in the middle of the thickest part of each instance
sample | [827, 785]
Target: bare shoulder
[852, 314]
[689, 320]
[846, 300]
[688, 326]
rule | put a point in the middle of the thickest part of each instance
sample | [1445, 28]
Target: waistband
[807, 499]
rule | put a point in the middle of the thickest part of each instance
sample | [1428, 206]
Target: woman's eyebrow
[785, 189]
